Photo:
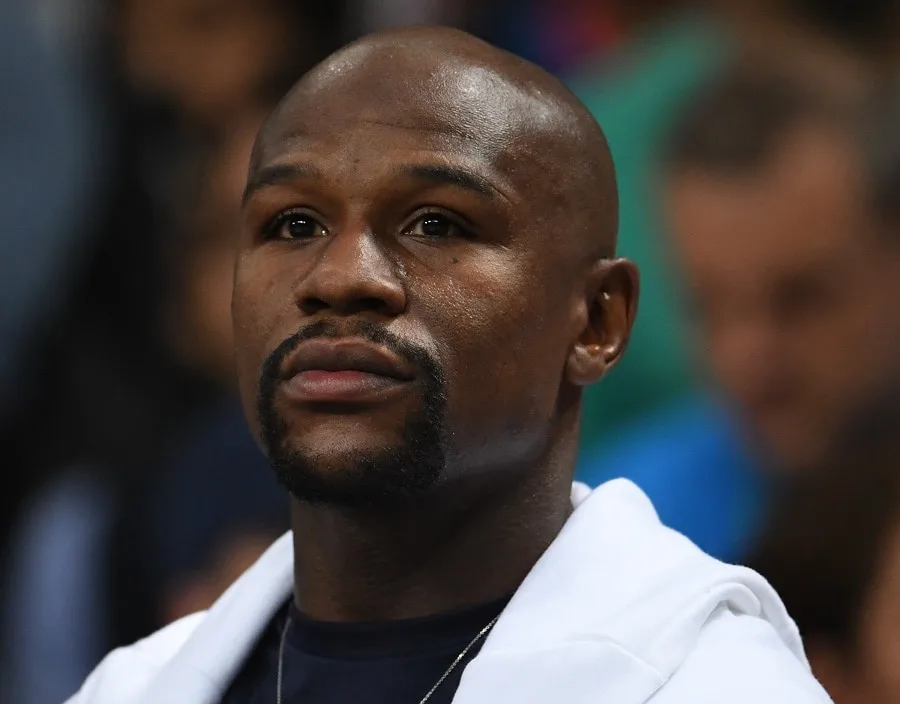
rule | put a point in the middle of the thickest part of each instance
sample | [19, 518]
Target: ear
[610, 306]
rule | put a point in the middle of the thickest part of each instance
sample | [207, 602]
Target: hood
[615, 605]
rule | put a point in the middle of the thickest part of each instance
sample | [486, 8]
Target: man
[840, 576]
[791, 266]
[426, 281]
[638, 94]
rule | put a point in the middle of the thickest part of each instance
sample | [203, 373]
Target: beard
[358, 479]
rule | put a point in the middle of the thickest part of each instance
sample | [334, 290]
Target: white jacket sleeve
[741, 660]
[125, 674]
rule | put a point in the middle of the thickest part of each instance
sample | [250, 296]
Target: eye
[435, 226]
[294, 225]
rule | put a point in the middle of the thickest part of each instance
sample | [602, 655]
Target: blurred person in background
[792, 276]
[197, 320]
[103, 375]
[138, 355]
[212, 58]
[48, 183]
[637, 84]
[868, 29]
[191, 553]
[832, 551]
[792, 267]
[72, 532]
[50, 167]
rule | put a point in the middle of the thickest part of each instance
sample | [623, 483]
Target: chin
[331, 438]
[359, 477]
[357, 464]
[363, 458]
[795, 455]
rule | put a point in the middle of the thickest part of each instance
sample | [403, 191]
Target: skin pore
[427, 196]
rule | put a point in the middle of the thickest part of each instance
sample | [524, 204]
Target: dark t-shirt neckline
[448, 632]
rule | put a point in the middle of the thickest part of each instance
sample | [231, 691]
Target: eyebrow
[449, 175]
[452, 176]
[276, 175]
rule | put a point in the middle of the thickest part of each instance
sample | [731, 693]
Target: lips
[346, 356]
[344, 372]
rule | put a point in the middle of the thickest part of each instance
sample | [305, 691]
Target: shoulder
[741, 660]
[125, 673]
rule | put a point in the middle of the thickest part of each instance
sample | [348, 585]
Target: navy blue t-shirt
[395, 662]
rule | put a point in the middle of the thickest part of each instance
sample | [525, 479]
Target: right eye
[294, 225]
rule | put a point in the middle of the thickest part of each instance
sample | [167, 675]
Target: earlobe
[587, 364]
[611, 304]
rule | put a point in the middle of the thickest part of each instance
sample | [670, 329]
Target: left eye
[435, 227]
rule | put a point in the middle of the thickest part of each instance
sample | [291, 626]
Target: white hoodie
[619, 610]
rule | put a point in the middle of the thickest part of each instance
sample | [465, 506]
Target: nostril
[312, 305]
[372, 303]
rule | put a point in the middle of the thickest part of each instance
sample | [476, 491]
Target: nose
[353, 274]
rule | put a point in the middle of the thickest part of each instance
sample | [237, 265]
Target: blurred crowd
[757, 146]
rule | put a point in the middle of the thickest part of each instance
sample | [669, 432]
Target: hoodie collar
[617, 602]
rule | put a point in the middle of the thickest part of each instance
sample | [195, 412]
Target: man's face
[208, 56]
[202, 313]
[404, 301]
[796, 294]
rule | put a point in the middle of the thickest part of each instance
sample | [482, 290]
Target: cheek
[851, 350]
[503, 349]
[882, 649]
[876, 330]
[261, 314]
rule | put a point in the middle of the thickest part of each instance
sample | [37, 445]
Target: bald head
[454, 205]
[457, 91]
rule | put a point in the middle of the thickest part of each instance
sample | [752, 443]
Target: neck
[457, 547]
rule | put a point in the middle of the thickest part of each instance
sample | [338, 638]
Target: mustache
[415, 354]
[372, 477]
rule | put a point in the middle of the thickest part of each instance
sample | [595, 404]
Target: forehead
[448, 108]
[808, 204]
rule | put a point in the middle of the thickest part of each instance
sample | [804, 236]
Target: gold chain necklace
[481, 634]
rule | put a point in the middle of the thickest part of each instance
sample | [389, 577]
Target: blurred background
[757, 145]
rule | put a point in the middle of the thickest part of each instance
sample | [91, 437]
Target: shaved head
[474, 97]
[452, 209]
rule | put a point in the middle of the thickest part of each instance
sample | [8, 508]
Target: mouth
[343, 371]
